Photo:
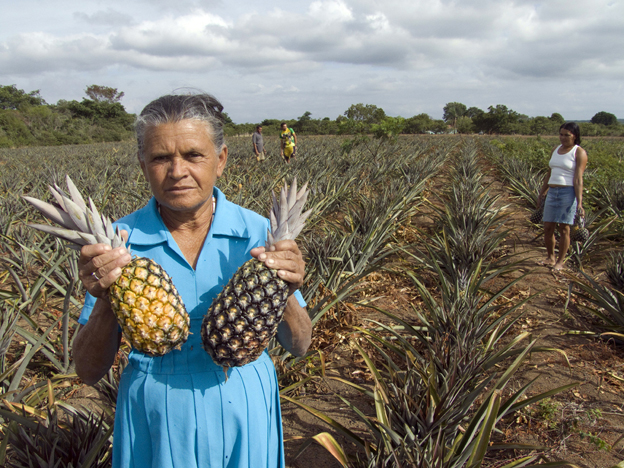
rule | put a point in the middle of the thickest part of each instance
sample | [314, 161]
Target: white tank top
[562, 167]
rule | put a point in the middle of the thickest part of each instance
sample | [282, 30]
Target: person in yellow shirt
[288, 143]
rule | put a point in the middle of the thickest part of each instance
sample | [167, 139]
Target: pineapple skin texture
[536, 216]
[580, 234]
[244, 316]
[149, 309]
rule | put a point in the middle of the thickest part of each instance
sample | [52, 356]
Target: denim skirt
[560, 205]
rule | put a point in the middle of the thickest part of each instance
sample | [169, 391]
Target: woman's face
[181, 164]
[566, 137]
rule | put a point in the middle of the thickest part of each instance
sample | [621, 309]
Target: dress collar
[149, 228]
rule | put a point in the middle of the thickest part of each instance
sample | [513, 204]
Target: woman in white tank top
[562, 192]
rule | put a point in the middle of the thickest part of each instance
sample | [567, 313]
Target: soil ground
[584, 425]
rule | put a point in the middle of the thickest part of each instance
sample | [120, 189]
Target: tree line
[457, 118]
[26, 119]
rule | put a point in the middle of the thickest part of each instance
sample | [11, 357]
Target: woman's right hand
[99, 266]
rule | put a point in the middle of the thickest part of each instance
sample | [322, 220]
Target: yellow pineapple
[145, 301]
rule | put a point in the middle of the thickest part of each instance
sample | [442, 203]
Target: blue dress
[177, 411]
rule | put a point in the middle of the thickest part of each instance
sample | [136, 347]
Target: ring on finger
[94, 274]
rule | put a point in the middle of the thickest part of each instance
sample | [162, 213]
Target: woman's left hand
[286, 258]
[580, 210]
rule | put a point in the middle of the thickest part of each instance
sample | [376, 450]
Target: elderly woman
[176, 410]
[563, 190]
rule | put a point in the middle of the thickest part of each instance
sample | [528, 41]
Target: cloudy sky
[279, 59]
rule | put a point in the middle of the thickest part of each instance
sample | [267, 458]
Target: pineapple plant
[147, 305]
[84, 440]
[245, 315]
[615, 270]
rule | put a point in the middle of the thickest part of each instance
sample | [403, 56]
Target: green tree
[270, 123]
[13, 130]
[388, 128]
[352, 127]
[438, 126]
[420, 123]
[498, 119]
[107, 94]
[368, 113]
[13, 98]
[557, 118]
[472, 112]
[328, 126]
[604, 118]
[306, 124]
[540, 125]
[591, 129]
[453, 111]
[98, 110]
[25, 119]
[110, 121]
[306, 117]
[465, 125]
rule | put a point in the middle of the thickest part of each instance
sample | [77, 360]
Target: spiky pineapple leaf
[332, 422]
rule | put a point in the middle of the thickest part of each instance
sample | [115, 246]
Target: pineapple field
[438, 339]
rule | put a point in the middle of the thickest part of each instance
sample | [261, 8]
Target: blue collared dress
[177, 411]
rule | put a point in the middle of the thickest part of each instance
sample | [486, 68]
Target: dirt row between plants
[582, 425]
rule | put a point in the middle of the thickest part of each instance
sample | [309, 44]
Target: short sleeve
[87, 308]
[300, 300]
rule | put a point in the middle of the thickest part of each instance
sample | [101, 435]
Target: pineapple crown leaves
[80, 225]
[287, 221]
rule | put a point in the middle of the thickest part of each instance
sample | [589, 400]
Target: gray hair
[174, 108]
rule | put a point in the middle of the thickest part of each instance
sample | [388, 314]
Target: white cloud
[108, 17]
[379, 22]
[199, 34]
[331, 11]
[401, 53]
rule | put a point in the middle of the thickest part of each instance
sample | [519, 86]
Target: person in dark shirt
[258, 144]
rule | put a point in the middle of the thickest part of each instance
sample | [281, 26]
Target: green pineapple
[145, 301]
[245, 315]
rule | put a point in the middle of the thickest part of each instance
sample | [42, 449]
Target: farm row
[438, 372]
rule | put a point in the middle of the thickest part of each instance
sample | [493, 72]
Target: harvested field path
[582, 425]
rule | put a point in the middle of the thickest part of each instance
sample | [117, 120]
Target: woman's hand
[580, 210]
[99, 266]
[286, 258]
[96, 343]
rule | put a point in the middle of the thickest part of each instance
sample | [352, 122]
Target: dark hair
[573, 128]
[282, 124]
[258, 127]
[174, 108]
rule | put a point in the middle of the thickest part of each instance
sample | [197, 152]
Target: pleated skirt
[560, 205]
[178, 411]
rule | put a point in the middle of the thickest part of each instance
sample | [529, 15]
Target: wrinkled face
[566, 137]
[181, 164]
